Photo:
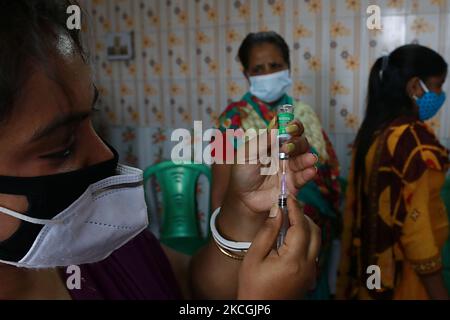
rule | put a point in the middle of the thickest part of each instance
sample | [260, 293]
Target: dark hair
[254, 39]
[387, 98]
[28, 30]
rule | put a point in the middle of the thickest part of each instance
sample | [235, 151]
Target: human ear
[413, 88]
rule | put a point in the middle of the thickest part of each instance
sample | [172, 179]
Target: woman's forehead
[62, 86]
[437, 79]
[265, 51]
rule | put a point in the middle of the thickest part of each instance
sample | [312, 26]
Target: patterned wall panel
[185, 66]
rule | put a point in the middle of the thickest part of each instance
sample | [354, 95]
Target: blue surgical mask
[270, 88]
[430, 103]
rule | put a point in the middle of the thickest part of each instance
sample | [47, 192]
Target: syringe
[285, 116]
[282, 204]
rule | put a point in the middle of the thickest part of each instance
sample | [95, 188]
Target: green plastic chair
[179, 226]
[446, 251]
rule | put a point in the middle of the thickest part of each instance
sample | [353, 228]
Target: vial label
[283, 120]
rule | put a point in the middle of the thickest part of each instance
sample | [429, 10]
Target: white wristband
[237, 247]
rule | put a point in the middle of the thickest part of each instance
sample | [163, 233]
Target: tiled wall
[185, 67]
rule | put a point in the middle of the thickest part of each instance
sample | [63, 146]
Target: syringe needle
[283, 177]
[282, 203]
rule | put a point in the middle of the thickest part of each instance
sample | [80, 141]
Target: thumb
[265, 239]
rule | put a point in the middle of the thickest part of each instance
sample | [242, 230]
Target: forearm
[214, 275]
[434, 284]
[220, 181]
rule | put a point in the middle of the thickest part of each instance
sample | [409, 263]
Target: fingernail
[273, 212]
[290, 147]
[316, 156]
[272, 123]
[292, 128]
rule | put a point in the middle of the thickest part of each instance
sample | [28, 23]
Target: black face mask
[47, 197]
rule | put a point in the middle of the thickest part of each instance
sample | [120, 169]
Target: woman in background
[394, 216]
[266, 63]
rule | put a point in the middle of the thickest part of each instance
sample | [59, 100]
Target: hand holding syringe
[285, 118]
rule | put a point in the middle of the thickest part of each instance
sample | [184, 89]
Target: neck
[274, 103]
[21, 283]
[15, 282]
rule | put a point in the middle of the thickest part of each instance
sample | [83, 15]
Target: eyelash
[60, 155]
[66, 153]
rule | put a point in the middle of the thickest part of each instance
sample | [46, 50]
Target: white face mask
[270, 88]
[109, 214]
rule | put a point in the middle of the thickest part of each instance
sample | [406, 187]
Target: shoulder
[414, 147]
[138, 269]
[413, 137]
[230, 117]
[313, 128]
[303, 110]
[235, 106]
[307, 116]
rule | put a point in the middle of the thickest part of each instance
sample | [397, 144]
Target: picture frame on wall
[119, 46]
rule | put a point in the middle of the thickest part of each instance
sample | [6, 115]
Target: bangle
[229, 246]
[229, 254]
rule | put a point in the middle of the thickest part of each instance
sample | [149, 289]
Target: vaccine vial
[285, 114]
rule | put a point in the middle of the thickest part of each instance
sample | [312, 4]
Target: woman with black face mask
[65, 199]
